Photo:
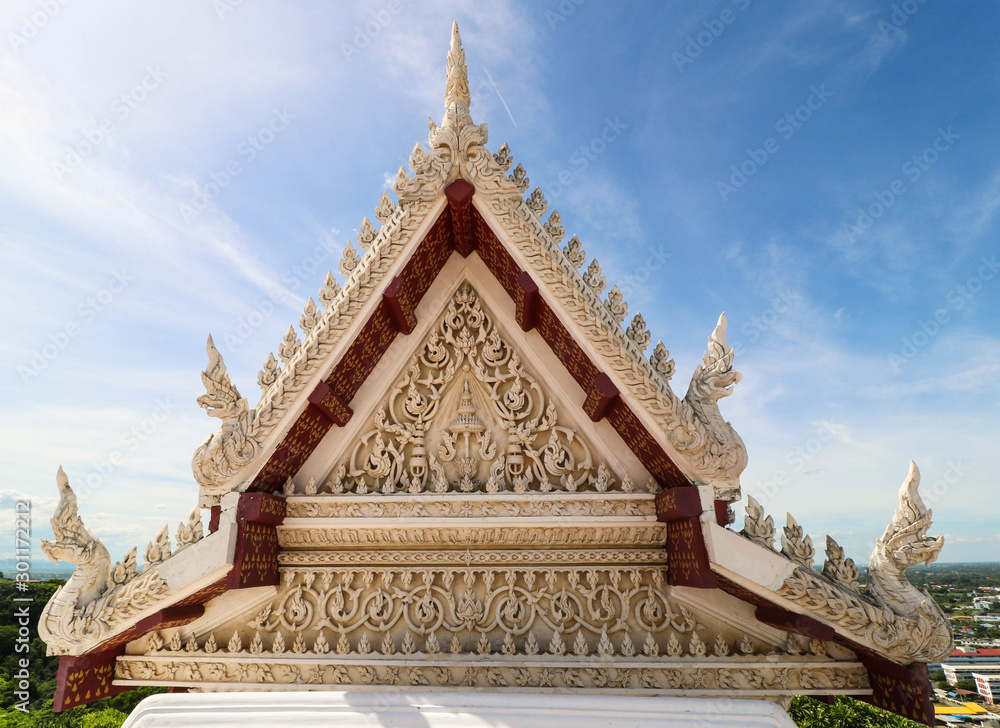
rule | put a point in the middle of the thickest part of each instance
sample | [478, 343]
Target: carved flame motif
[467, 417]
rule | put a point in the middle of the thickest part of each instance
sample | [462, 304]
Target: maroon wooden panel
[303, 437]
[176, 616]
[363, 354]
[601, 395]
[797, 623]
[214, 513]
[85, 678]
[677, 503]
[645, 447]
[256, 559]
[494, 255]
[459, 194]
[687, 557]
[430, 257]
[905, 691]
[330, 405]
[399, 306]
[525, 301]
[722, 513]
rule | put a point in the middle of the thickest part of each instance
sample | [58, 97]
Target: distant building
[988, 685]
[966, 660]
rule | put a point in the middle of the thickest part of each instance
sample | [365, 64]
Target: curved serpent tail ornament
[905, 543]
[76, 545]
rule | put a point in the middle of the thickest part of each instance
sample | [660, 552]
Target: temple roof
[464, 401]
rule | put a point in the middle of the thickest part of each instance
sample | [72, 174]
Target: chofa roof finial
[457, 80]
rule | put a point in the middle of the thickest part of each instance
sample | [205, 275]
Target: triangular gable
[461, 199]
[465, 408]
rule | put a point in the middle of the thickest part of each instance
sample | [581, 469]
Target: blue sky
[826, 174]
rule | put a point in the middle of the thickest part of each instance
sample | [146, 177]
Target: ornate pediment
[466, 416]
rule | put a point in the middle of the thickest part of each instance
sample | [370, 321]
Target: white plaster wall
[449, 710]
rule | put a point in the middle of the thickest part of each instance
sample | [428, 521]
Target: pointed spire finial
[457, 81]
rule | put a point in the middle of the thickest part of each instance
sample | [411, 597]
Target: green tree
[844, 713]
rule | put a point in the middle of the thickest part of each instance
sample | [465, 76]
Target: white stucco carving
[466, 417]
[890, 615]
[100, 600]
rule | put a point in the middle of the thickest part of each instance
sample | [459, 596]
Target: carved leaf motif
[349, 260]
[503, 158]
[330, 291]
[661, 362]
[519, 177]
[616, 305]
[838, 567]
[638, 333]
[310, 317]
[554, 227]
[796, 546]
[158, 550]
[594, 277]
[366, 235]
[536, 203]
[574, 252]
[386, 207]
[268, 375]
[557, 646]
[757, 527]
[289, 346]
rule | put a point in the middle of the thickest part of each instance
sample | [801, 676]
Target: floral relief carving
[467, 417]
[474, 610]
[703, 678]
